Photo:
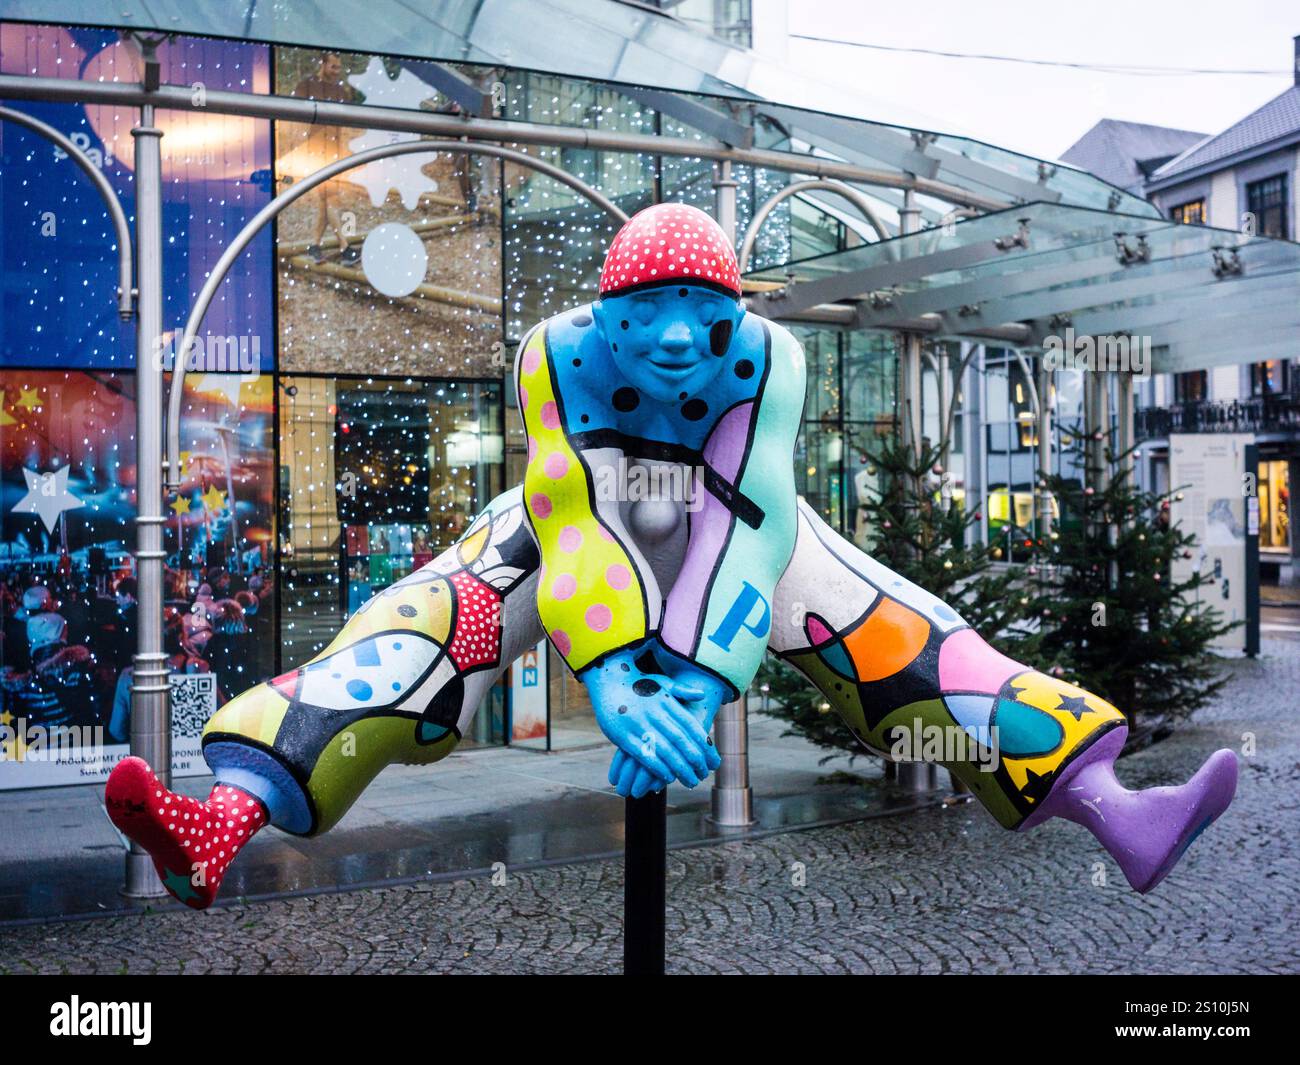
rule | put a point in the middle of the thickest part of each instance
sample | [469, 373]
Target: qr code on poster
[194, 700]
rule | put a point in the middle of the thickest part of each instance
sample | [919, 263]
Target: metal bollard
[918, 776]
[732, 798]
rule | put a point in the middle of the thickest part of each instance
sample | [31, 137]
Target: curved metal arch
[125, 284]
[848, 192]
[258, 221]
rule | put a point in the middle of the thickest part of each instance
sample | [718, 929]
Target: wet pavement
[940, 890]
[60, 856]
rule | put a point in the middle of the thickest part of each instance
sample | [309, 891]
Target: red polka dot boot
[192, 843]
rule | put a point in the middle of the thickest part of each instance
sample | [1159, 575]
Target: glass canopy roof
[1203, 296]
[1073, 250]
[609, 41]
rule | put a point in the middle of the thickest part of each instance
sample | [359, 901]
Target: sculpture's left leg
[399, 684]
[912, 680]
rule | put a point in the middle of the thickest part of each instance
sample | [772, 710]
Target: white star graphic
[48, 496]
[402, 172]
[228, 384]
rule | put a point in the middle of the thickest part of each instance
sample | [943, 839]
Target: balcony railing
[1273, 412]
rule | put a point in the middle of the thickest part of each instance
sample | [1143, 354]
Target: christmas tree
[1097, 604]
[1115, 619]
[921, 535]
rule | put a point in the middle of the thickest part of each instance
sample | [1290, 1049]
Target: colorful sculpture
[662, 607]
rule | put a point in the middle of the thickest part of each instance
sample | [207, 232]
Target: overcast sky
[1041, 110]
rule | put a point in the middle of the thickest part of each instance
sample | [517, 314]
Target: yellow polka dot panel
[588, 595]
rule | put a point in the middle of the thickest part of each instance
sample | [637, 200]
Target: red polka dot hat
[670, 242]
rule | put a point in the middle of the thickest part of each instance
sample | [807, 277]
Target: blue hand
[629, 777]
[657, 708]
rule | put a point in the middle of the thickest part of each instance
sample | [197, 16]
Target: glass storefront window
[57, 248]
[1010, 452]
[1275, 505]
[68, 591]
[376, 476]
[393, 267]
[553, 238]
[848, 414]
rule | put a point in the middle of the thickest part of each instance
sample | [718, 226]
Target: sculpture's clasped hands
[657, 709]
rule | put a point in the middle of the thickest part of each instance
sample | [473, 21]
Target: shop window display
[67, 412]
[67, 572]
[377, 477]
[57, 247]
[394, 267]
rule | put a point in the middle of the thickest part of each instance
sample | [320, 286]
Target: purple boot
[1146, 831]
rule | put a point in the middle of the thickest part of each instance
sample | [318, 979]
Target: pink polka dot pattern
[556, 465]
[562, 642]
[575, 548]
[618, 577]
[668, 242]
[531, 360]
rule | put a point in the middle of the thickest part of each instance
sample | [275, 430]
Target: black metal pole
[644, 874]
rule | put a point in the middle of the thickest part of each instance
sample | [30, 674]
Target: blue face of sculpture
[670, 339]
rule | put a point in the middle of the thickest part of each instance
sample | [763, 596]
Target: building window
[1266, 202]
[1274, 505]
[1192, 387]
[1269, 377]
[1192, 213]
[729, 20]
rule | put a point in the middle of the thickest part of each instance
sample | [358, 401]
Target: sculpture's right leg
[915, 682]
[399, 683]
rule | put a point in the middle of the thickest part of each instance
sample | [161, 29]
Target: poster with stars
[57, 246]
[68, 608]
[394, 267]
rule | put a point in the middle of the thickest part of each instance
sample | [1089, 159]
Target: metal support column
[151, 737]
[1097, 422]
[724, 188]
[1121, 464]
[732, 802]
[1045, 387]
[909, 401]
[912, 776]
[1092, 429]
[1105, 446]
[1125, 429]
[732, 799]
[909, 398]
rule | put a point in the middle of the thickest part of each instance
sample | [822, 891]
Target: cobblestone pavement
[941, 891]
